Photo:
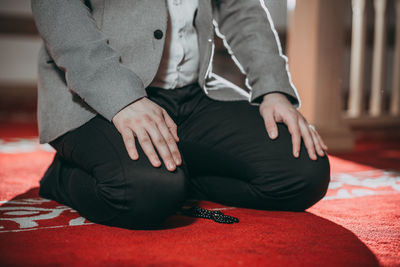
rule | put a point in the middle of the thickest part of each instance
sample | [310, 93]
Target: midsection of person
[180, 60]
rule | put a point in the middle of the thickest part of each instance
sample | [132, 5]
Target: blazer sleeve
[78, 47]
[248, 30]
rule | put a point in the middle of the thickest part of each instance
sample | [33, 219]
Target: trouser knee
[152, 198]
[315, 176]
[297, 188]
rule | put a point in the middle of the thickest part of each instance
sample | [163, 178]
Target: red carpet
[357, 223]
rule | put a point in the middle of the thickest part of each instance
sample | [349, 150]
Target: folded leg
[92, 173]
[231, 160]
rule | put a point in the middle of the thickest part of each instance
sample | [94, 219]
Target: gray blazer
[99, 56]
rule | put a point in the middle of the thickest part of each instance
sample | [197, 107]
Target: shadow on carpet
[37, 231]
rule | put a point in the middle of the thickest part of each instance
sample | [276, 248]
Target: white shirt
[180, 60]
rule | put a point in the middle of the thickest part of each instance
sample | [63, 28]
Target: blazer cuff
[109, 90]
[270, 83]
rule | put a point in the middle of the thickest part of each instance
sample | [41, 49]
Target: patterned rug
[356, 224]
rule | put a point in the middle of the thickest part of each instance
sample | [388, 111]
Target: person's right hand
[153, 127]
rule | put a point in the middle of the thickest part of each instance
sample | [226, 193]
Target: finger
[171, 142]
[147, 146]
[270, 123]
[161, 146]
[294, 130]
[308, 140]
[129, 141]
[171, 125]
[321, 141]
[317, 143]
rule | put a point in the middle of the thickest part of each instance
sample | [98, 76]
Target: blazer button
[158, 34]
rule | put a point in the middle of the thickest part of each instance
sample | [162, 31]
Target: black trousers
[227, 158]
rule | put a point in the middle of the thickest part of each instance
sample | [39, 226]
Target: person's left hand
[275, 107]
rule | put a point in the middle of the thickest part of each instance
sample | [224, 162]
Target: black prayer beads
[214, 215]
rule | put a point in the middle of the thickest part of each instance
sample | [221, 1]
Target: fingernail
[171, 165]
[272, 134]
